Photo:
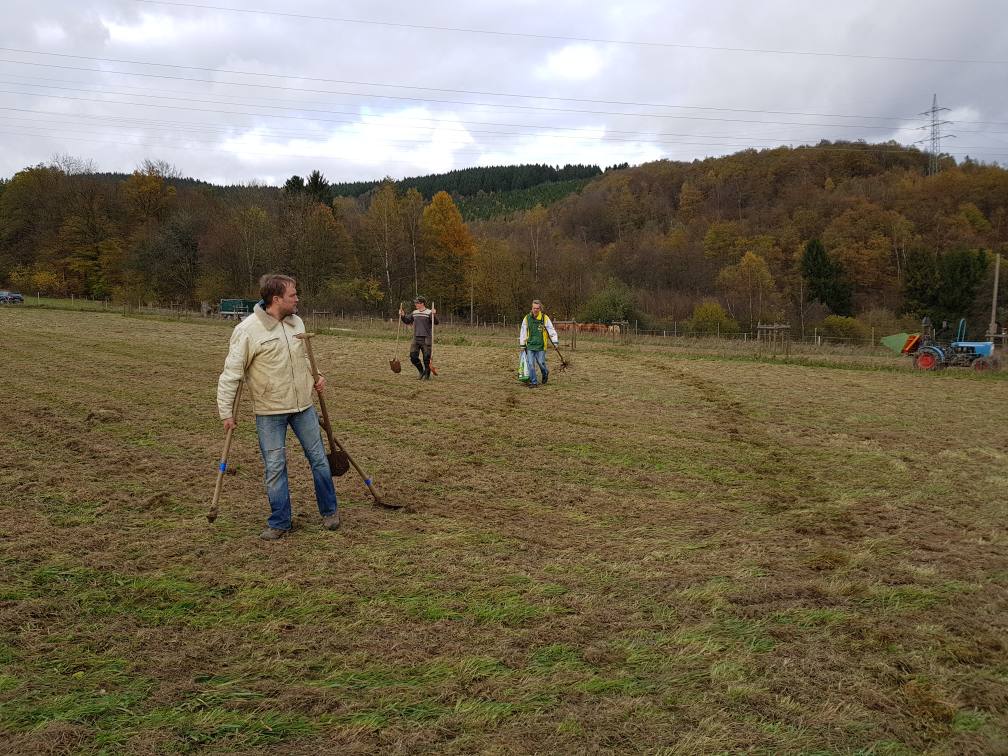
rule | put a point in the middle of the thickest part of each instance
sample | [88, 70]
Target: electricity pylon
[934, 162]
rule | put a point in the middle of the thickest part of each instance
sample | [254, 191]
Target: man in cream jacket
[278, 378]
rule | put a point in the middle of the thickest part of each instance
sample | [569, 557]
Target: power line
[357, 137]
[315, 110]
[571, 134]
[564, 38]
[397, 86]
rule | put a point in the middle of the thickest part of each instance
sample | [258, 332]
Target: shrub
[28, 280]
[710, 318]
[848, 329]
[886, 323]
[611, 305]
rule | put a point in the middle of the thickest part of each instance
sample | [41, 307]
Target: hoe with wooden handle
[307, 337]
[212, 514]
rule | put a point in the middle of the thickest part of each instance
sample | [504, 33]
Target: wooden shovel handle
[224, 455]
[398, 326]
[307, 337]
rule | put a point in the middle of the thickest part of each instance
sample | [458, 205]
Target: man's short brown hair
[274, 285]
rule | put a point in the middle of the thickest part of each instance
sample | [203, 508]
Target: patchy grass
[655, 553]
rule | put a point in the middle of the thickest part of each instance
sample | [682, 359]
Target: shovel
[212, 514]
[431, 360]
[333, 442]
[394, 362]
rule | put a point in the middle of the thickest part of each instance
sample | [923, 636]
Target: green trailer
[237, 309]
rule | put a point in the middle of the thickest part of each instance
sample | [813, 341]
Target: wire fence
[504, 332]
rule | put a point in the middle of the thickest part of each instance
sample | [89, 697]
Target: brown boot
[331, 522]
[273, 534]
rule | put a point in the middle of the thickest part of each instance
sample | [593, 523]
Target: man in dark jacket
[420, 319]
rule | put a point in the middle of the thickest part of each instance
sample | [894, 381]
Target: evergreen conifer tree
[919, 292]
[827, 279]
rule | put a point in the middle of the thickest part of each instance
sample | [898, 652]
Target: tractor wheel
[982, 365]
[926, 360]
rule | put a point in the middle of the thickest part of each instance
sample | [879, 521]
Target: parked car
[11, 297]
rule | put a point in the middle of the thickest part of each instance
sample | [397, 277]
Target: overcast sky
[361, 90]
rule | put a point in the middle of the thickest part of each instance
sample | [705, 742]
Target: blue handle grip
[223, 466]
[367, 481]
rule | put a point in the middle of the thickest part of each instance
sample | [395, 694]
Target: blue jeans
[273, 445]
[534, 356]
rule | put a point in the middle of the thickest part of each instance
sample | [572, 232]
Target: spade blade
[338, 463]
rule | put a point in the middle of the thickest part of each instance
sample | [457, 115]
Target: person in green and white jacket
[532, 340]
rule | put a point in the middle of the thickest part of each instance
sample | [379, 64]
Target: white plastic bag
[523, 371]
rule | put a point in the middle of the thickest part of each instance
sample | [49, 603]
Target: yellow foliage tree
[690, 201]
[452, 251]
[147, 193]
[749, 279]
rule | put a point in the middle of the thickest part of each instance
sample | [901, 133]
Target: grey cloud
[201, 120]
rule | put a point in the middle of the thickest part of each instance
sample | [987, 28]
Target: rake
[564, 362]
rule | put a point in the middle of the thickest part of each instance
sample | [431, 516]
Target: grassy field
[656, 553]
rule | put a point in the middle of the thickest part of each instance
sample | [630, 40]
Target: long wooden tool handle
[227, 449]
[325, 418]
[322, 400]
[398, 326]
[365, 478]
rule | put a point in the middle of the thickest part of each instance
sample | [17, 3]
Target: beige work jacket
[278, 375]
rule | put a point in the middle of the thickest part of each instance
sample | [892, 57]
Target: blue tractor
[929, 354]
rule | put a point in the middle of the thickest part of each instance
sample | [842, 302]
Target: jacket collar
[268, 321]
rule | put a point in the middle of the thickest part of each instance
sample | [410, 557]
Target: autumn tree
[499, 279]
[411, 210]
[452, 250]
[254, 230]
[690, 201]
[383, 229]
[534, 223]
[165, 261]
[90, 247]
[749, 280]
[148, 193]
[322, 250]
[720, 239]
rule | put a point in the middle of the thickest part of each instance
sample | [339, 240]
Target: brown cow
[591, 328]
[614, 330]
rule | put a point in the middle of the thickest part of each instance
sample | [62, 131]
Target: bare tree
[411, 212]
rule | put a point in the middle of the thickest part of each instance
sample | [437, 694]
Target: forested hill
[788, 235]
[469, 182]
